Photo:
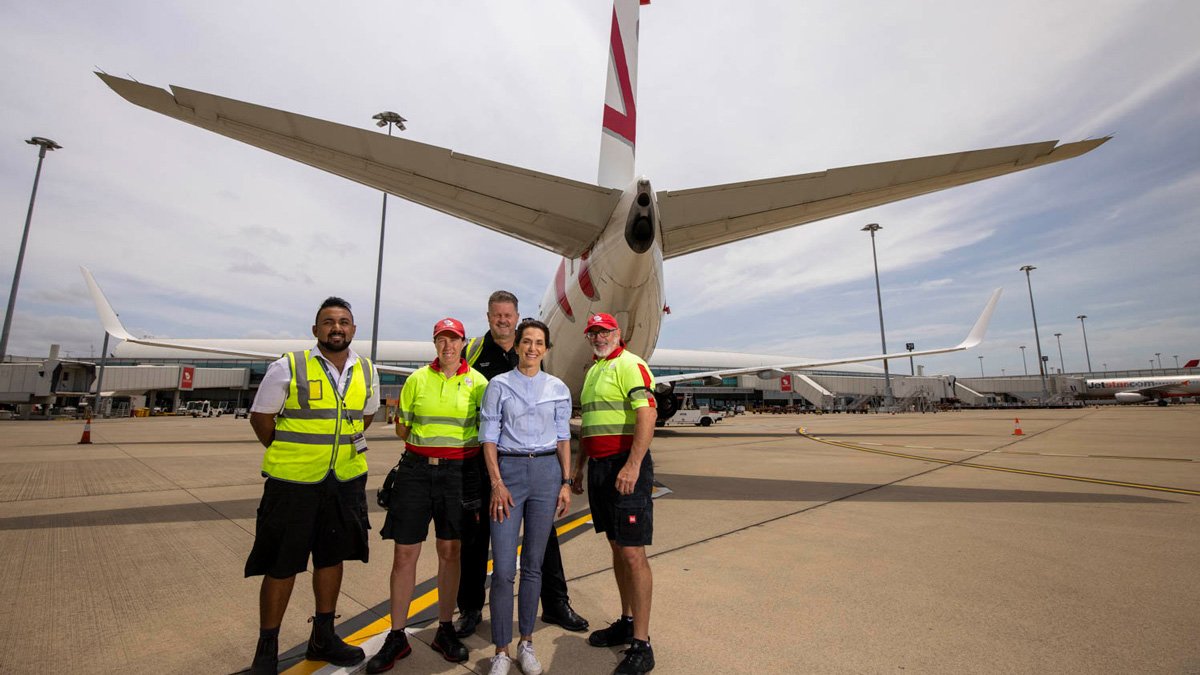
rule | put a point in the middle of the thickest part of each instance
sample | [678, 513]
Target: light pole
[1062, 368]
[1036, 338]
[1023, 362]
[912, 369]
[387, 119]
[1151, 366]
[1176, 361]
[1086, 353]
[887, 378]
[981, 366]
[44, 144]
[1158, 355]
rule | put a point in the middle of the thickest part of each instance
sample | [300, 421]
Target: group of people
[487, 458]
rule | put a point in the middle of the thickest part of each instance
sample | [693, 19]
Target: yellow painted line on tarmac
[417, 606]
[989, 467]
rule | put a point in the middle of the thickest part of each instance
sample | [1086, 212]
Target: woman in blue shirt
[525, 431]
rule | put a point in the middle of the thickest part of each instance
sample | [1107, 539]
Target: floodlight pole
[387, 119]
[1062, 368]
[1023, 361]
[1086, 353]
[981, 366]
[44, 144]
[889, 399]
[1158, 355]
[1037, 338]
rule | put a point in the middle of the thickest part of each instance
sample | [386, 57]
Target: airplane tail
[1192, 363]
[617, 138]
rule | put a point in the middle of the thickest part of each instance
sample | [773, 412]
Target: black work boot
[560, 613]
[639, 658]
[325, 645]
[266, 655]
[468, 621]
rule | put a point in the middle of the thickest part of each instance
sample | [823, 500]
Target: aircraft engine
[642, 222]
[1130, 397]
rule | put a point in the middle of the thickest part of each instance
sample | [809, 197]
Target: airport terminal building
[158, 380]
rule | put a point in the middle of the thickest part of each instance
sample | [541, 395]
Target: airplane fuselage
[1139, 389]
[621, 274]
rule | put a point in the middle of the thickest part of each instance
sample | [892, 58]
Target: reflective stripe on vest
[314, 431]
[609, 391]
[474, 350]
[442, 414]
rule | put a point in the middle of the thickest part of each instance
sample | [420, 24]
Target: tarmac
[932, 543]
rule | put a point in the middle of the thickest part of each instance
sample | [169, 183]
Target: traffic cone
[1017, 428]
[87, 432]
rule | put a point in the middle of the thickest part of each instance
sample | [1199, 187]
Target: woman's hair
[533, 323]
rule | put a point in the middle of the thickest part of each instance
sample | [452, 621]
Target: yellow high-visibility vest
[442, 412]
[613, 390]
[314, 431]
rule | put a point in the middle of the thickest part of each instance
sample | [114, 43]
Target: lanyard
[341, 395]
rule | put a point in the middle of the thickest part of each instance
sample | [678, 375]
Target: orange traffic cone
[87, 432]
[1017, 428]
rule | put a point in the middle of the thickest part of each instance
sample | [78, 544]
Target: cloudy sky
[196, 235]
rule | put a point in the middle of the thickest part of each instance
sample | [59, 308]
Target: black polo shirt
[494, 360]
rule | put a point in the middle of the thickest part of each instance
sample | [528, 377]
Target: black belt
[432, 461]
[539, 453]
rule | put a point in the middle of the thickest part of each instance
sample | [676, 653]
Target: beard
[331, 347]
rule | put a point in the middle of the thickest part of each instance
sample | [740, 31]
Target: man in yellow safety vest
[310, 413]
[619, 412]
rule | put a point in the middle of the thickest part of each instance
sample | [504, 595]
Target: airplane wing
[113, 326]
[557, 214]
[700, 218]
[769, 372]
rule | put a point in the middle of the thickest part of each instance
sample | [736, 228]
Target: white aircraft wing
[557, 214]
[113, 326]
[700, 218]
[769, 372]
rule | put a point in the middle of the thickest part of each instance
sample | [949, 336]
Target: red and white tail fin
[1192, 363]
[617, 139]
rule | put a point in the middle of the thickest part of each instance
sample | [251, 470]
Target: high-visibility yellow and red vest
[441, 411]
[613, 390]
[314, 431]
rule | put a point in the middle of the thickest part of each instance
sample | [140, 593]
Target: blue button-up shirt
[523, 414]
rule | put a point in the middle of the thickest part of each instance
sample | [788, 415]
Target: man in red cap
[438, 419]
[619, 412]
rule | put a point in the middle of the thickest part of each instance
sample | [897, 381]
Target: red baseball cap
[449, 325]
[605, 321]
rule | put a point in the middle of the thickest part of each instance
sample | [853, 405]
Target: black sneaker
[619, 632]
[266, 657]
[447, 644]
[468, 621]
[394, 648]
[639, 658]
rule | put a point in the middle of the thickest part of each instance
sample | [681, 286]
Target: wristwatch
[567, 481]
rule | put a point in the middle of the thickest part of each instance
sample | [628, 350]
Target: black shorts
[626, 519]
[326, 519]
[446, 493]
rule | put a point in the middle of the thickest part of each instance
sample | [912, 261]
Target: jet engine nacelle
[1130, 397]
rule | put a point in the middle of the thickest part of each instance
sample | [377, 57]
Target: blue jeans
[534, 484]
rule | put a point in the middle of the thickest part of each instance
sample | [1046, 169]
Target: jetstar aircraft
[612, 235]
[1140, 389]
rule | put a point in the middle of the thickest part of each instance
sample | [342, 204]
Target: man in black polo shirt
[492, 354]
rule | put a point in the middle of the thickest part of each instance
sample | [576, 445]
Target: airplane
[1141, 389]
[613, 235]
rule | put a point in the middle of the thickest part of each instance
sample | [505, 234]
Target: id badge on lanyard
[359, 438]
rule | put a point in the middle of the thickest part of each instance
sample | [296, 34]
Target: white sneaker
[500, 665]
[525, 658]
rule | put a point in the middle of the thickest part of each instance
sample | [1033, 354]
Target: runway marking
[1024, 452]
[1004, 469]
[418, 605]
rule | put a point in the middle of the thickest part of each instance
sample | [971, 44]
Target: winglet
[981, 325]
[108, 317]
